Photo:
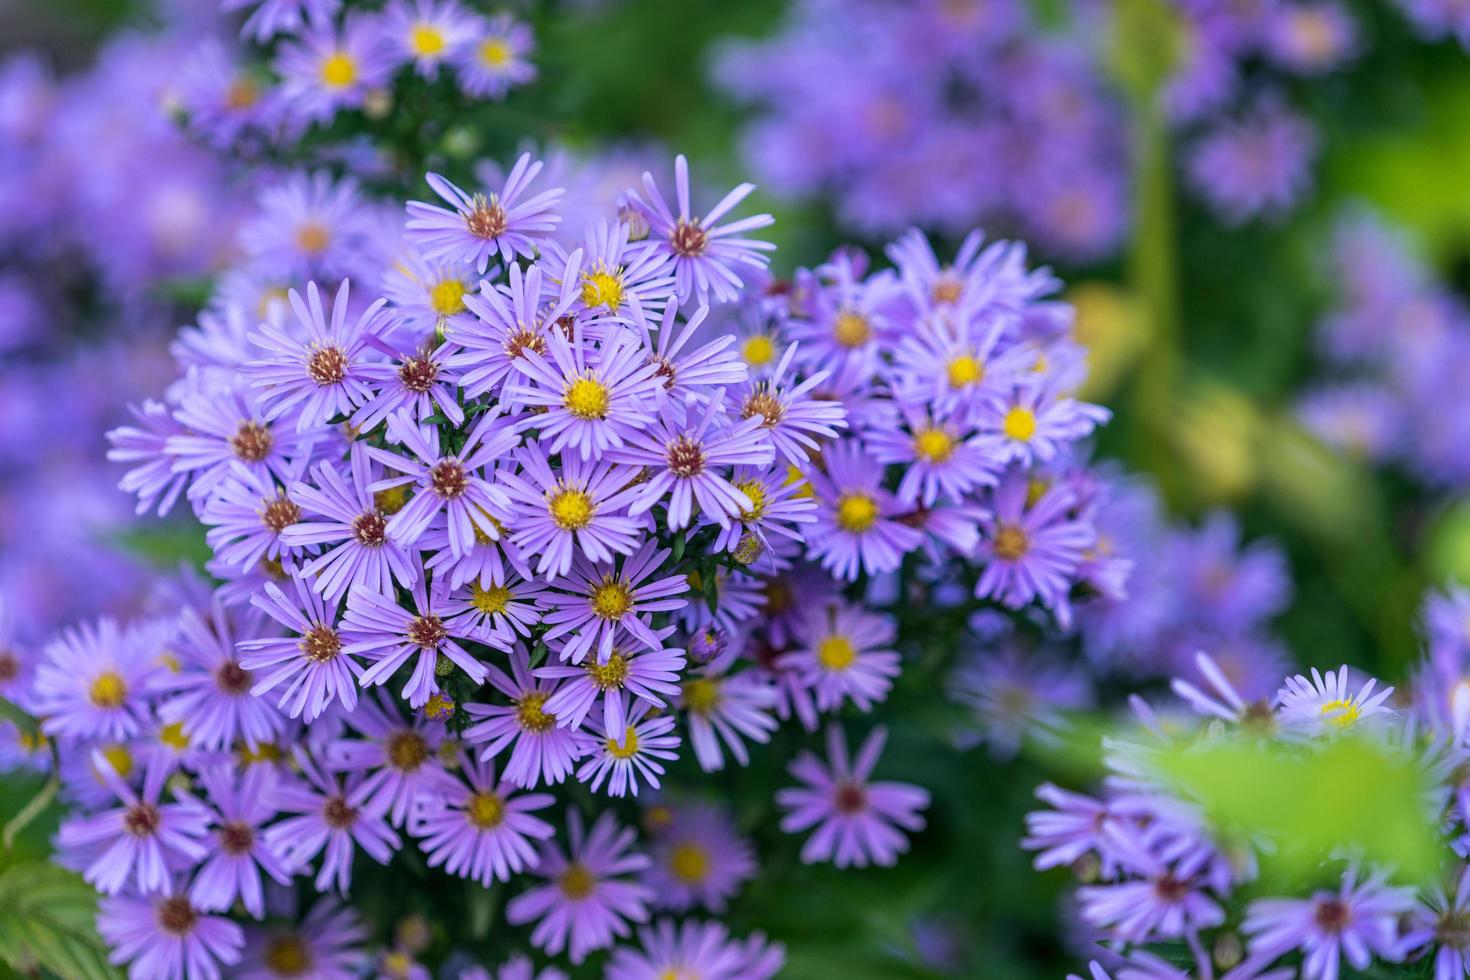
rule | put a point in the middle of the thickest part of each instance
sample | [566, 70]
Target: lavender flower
[698, 858]
[1356, 922]
[540, 750]
[326, 821]
[167, 938]
[497, 60]
[620, 756]
[572, 510]
[855, 529]
[311, 660]
[477, 227]
[600, 599]
[378, 627]
[242, 805]
[483, 831]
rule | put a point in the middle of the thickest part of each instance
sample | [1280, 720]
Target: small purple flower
[858, 822]
[1327, 704]
[855, 530]
[616, 274]
[377, 627]
[242, 803]
[496, 614]
[777, 507]
[167, 938]
[93, 680]
[621, 755]
[1311, 37]
[510, 319]
[575, 509]
[246, 516]
[399, 760]
[599, 599]
[687, 375]
[222, 432]
[152, 476]
[792, 417]
[1258, 166]
[1015, 695]
[209, 692]
[839, 656]
[326, 821]
[476, 227]
[588, 899]
[1031, 550]
[325, 69]
[1159, 900]
[497, 60]
[483, 831]
[939, 457]
[1030, 425]
[698, 858]
[419, 385]
[540, 750]
[649, 676]
[427, 33]
[694, 949]
[311, 659]
[728, 709]
[1356, 922]
[327, 943]
[272, 17]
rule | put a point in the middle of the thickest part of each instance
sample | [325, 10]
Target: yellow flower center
[313, 238]
[242, 93]
[612, 599]
[570, 510]
[491, 600]
[758, 350]
[689, 863]
[610, 675]
[587, 398]
[1011, 543]
[339, 70]
[529, 714]
[964, 371]
[628, 749]
[576, 882]
[836, 652]
[391, 501]
[856, 512]
[1019, 424]
[108, 690]
[485, 811]
[119, 759]
[1341, 713]
[933, 444]
[851, 329]
[287, 956]
[701, 695]
[173, 736]
[603, 288]
[446, 298]
[407, 751]
[748, 550]
[495, 52]
[756, 491]
[426, 40]
[438, 708]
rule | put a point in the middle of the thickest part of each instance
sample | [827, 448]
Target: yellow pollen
[576, 882]
[570, 510]
[836, 652]
[426, 40]
[173, 736]
[964, 371]
[313, 238]
[689, 863]
[438, 708]
[748, 550]
[603, 288]
[391, 500]
[1011, 543]
[485, 811]
[756, 491]
[1036, 488]
[628, 749]
[701, 695]
[495, 52]
[851, 329]
[446, 298]
[119, 759]
[611, 600]
[339, 70]
[529, 714]
[170, 662]
[1340, 713]
[263, 752]
[491, 600]
[287, 956]
[933, 444]
[610, 675]
[587, 398]
[758, 350]
[406, 750]
[1019, 424]
[856, 512]
[108, 690]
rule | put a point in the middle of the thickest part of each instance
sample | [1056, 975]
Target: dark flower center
[448, 479]
[236, 837]
[141, 820]
[523, 340]
[427, 631]
[1332, 915]
[407, 750]
[176, 916]
[418, 374]
[370, 528]
[765, 404]
[251, 442]
[337, 814]
[280, 513]
[689, 240]
[1453, 929]
[850, 798]
[9, 666]
[327, 366]
[231, 677]
[686, 459]
[320, 644]
[488, 219]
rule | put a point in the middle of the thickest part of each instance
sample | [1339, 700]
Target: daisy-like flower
[92, 682]
[1029, 425]
[939, 456]
[208, 692]
[1257, 166]
[326, 822]
[1157, 899]
[1440, 926]
[490, 561]
[855, 529]
[497, 59]
[687, 376]
[593, 396]
[576, 509]
[727, 709]
[272, 17]
[777, 507]
[246, 516]
[540, 750]
[242, 803]
[1014, 696]
[327, 943]
[321, 377]
[792, 418]
[167, 938]
[843, 320]
[688, 462]
[222, 431]
[840, 656]
[1327, 703]
[1033, 551]
[377, 627]
[649, 676]
[598, 599]
[621, 756]
[955, 365]
[694, 949]
[399, 760]
[355, 527]
[698, 858]
[858, 822]
[483, 831]
[446, 482]
[1218, 697]
[151, 476]
[588, 898]
[705, 254]
[615, 274]
[419, 385]
[509, 319]
[309, 226]
[428, 33]
[496, 614]
[325, 69]
[477, 227]
[431, 296]
[139, 841]
[1356, 922]
[310, 661]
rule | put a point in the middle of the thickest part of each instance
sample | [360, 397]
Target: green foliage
[46, 923]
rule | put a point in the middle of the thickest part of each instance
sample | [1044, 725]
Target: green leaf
[47, 923]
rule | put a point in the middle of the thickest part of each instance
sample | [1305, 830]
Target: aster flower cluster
[1168, 893]
[1399, 342]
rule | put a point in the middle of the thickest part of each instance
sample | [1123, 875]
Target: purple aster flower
[705, 254]
[490, 561]
[152, 476]
[1030, 425]
[855, 530]
[843, 319]
[142, 841]
[167, 938]
[326, 822]
[431, 296]
[694, 949]
[540, 750]
[496, 614]
[777, 506]
[377, 627]
[1365, 419]
[1227, 586]
[1075, 827]
[587, 900]
[1014, 696]
[208, 692]
[594, 397]
[476, 227]
[840, 657]
[419, 385]
[858, 822]
[648, 676]
[497, 60]
[272, 17]
[427, 33]
[620, 755]
[616, 274]
[1162, 901]
[687, 376]
[325, 69]
[310, 659]
[246, 516]
[322, 377]
[1255, 166]
[93, 680]
[220, 96]
[956, 365]
[698, 858]
[222, 431]
[599, 599]
[793, 418]
[309, 226]
[1356, 922]
[939, 456]
[1327, 704]
[723, 708]
[575, 509]
[510, 319]
[327, 943]
[354, 524]
[242, 803]
[1440, 926]
[483, 831]
[446, 482]
[399, 760]
[1217, 697]
[1311, 37]
[683, 461]
[1031, 550]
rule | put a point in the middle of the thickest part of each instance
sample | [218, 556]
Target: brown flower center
[337, 814]
[407, 750]
[176, 916]
[487, 219]
[231, 678]
[320, 644]
[686, 459]
[327, 366]
[251, 442]
[280, 513]
[448, 479]
[850, 798]
[370, 528]
[427, 631]
[418, 374]
[689, 240]
[141, 820]
[764, 403]
[236, 838]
